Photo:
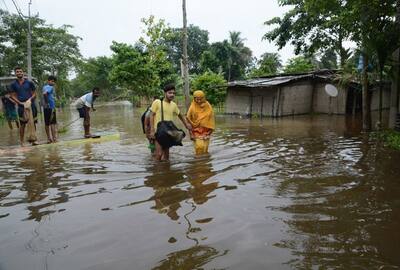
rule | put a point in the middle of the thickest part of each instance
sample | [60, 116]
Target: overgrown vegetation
[390, 138]
[317, 29]
[322, 27]
[214, 86]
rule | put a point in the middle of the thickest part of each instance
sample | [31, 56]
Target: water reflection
[198, 173]
[170, 185]
[298, 192]
[192, 258]
[342, 220]
[43, 176]
[167, 193]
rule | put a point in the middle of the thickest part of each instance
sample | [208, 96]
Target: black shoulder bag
[167, 134]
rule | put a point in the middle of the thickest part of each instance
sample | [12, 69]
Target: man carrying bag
[163, 130]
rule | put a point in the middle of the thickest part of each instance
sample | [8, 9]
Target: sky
[99, 22]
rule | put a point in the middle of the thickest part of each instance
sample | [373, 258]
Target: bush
[389, 137]
[213, 85]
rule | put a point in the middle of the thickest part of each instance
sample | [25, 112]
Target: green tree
[378, 34]
[328, 60]
[298, 64]
[240, 57]
[54, 50]
[141, 70]
[94, 72]
[375, 31]
[312, 25]
[133, 71]
[197, 44]
[230, 57]
[213, 84]
[156, 32]
[268, 64]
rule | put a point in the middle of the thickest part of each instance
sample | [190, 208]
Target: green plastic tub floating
[100, 139]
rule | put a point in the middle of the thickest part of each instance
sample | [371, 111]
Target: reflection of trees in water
[191, 258]
[165, 182]
[346, 220]
[43, 165]
[169, 197]
[89, 156]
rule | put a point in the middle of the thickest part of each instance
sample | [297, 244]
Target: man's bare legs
[21, 133]
[49, 137]
[10, 124]
[161, 153]
[51, 132]
[53, 129]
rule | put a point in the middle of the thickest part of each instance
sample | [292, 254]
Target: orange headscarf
[201, 115]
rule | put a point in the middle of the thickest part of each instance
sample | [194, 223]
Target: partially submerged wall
[263, 101]
[323, 103]
[238, 101]
[295, 99]
[385, 98]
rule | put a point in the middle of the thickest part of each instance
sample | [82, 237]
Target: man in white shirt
[84, 105]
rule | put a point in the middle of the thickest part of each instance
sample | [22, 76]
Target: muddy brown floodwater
[307, 192]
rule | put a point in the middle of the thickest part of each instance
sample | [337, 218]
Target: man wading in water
[23, 93]
[49, 110]
[170, 110]
[84, 105]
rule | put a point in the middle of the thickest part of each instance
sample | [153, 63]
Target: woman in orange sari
[201, 117]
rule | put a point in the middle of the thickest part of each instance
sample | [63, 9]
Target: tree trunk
[185, 58]
[380, 94]
[342, 51]
[394, 93]
[366, 108]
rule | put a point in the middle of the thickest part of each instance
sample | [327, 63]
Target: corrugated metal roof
[282, 79]
[265, 82]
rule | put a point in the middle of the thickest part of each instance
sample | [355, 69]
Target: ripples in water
[265, 197]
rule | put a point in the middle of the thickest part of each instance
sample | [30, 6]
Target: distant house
[295, 94]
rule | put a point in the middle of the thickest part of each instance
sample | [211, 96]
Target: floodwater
[307, 192]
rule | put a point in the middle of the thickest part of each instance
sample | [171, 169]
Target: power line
[18, 9]
[6, 6]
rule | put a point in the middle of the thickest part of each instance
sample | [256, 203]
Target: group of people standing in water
[20, 107]
[199, 120]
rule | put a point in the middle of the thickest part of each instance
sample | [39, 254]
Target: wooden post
[394, 93]
[366, 109]
[185, 58]
[29, 43]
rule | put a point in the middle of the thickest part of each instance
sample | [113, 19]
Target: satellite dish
[331, 90]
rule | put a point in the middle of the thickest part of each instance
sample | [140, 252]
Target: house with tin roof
[296, 94]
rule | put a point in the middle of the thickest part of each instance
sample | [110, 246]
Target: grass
[390, 138]
[62, 130]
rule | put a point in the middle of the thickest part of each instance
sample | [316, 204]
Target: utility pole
[29, 42]
[185, 58]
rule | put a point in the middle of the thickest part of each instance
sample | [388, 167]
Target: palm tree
[239, 56]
